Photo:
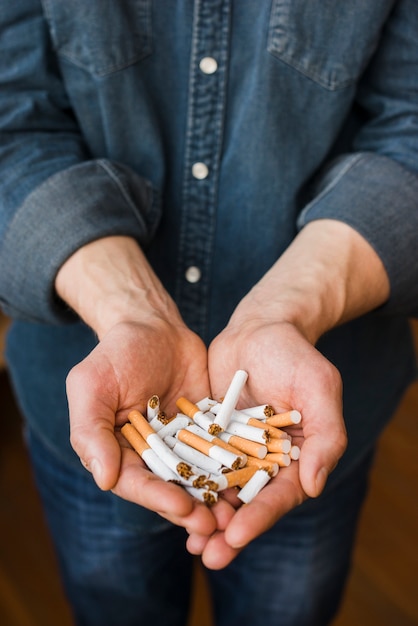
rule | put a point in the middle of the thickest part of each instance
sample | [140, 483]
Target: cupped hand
[132, 362]
[286, 371]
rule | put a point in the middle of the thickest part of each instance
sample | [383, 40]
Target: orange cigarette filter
[194, 441]
[187, 407]
[134, 438]
[141, 423]
[279, 445]
[226, 446]
[282, 459]
[271, 466]
[272, 431]
[280, 420]
[252, 448]
[238, 478]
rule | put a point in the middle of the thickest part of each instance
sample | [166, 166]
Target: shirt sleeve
[54, 197]
[374, 188]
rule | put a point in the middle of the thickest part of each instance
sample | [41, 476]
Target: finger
[279, 496]
[138, 484]
[92, 427]
[223, 513]
[324, 444]
[318, 457]
[217, 553]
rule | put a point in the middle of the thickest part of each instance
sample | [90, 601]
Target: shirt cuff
[70, 209]
[377, 197]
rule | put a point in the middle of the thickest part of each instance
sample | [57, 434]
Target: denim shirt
[211, 131]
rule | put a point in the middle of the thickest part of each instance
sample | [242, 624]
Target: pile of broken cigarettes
[209, 446]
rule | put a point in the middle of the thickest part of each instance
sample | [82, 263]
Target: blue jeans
[140, 574]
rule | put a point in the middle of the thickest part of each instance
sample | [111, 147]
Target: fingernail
[321, 479]
[96, 470]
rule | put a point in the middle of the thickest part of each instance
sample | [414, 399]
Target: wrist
[109, 281]
[328, 275]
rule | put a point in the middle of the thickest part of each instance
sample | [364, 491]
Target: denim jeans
[130, 575]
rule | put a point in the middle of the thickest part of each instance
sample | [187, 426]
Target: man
[191, 188]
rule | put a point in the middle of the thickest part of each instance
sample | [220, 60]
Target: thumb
[319, 456]
[92, 430]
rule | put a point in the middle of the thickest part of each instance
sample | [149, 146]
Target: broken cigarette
[254, 486]
[147, 454]
[153, 407]
[251, 448]
[282, 459]
[197, 430]
[157, 444]
[273, 431]
[288, 418]
[236, 478]
[248, 432]
[198, 459]
[227, 458]
[260, 412]
[279, 445]
[231, 398]
[204, 420]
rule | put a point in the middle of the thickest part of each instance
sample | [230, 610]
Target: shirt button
[193, 274]
[200, 170]
[208, 65]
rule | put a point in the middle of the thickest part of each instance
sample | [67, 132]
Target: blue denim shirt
[211, 131]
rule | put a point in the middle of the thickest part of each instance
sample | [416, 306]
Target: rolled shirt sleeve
[375, 188]
[378, 197]
[71, 208]
[54, 195]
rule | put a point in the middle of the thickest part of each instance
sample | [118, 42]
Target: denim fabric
[110, 124]
[80, 84]
[130, 574]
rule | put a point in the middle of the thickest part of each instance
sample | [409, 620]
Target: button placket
[207, 90]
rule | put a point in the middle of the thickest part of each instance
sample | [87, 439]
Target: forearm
[327, 276]
[109, 281]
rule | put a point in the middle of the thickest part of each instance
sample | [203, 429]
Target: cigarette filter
[227, 458]
[251, 448]
[289, 418]
[194, 428]
[269, 465]
[150, 458]
[236, 478]
[282, 459]
[204, 420]
[294, 453]
[157, 444]
[279, 445]
[272, 431]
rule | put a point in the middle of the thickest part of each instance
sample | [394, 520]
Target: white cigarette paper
[178, 422]
[157, 466]
[206, 404]
[153, 407]
[193, 456]
[247, 432]
[259, 412]
[254, 486]
[231, 398]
